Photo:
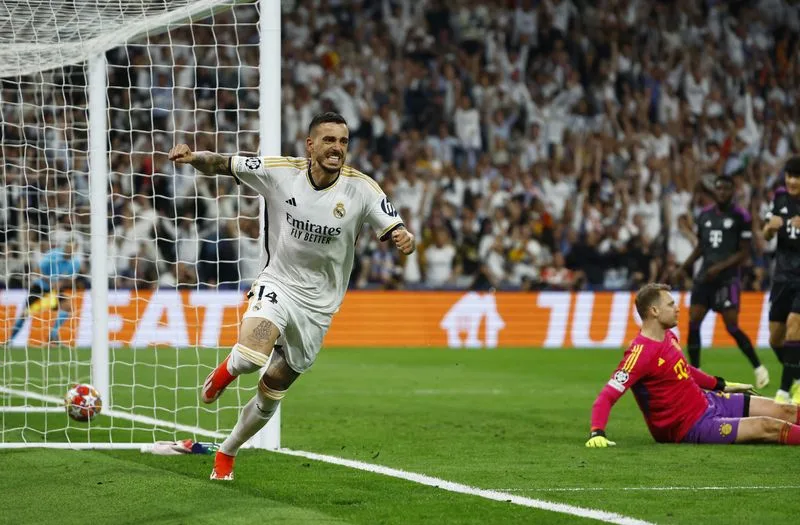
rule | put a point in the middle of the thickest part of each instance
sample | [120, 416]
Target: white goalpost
[88, 110]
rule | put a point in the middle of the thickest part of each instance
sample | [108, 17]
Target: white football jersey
[310, 232]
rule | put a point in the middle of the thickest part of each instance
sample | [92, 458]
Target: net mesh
[181, 247]
[36, 35]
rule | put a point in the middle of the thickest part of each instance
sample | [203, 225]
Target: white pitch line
[595, 514]
[562, 508]
[656, 489]
[30, 410]
[74, 445]
[122, 415]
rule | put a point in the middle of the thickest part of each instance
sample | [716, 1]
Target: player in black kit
[724, 233]
[784, 297]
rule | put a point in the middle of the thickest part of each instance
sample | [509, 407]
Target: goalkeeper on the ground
[680, 403]
[57, 269]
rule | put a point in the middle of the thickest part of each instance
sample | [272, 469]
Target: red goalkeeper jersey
[668, 390]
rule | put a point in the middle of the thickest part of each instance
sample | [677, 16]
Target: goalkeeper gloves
[734, 388]
[597, 439]
[739, 388]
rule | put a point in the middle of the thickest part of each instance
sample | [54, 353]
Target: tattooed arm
[208, 162]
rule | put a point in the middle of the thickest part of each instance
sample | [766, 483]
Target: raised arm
[205, 161]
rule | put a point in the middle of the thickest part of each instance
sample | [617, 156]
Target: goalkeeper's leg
[768, 430]
[770, 422]
[31, 307]
[64, 308]
[255, 414]
[251, 353]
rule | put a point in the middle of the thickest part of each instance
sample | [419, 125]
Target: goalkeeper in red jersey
[680, 403]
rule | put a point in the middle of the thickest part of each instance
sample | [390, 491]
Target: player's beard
[326, 168]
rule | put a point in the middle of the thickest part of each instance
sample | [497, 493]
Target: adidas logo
[291, 202]
[784, 210]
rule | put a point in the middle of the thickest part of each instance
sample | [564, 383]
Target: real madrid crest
[339, 210]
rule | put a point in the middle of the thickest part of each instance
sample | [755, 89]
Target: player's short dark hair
[723, 178]
[324, 118]
[792, 166]
[647, 296]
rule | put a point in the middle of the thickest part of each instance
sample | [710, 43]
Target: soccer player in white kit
[316, 208]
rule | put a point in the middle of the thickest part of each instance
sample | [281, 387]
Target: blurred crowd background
[551, 144]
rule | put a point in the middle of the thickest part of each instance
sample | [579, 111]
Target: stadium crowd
[556, 144]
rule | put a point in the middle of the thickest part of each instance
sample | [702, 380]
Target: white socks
[255, 414]
[245, 361]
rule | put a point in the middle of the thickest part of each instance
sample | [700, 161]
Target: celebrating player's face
[793, 184]
[327, 146]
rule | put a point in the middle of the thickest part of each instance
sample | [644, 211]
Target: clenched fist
[404, 240]
[181, 154]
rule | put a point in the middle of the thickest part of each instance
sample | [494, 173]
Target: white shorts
[302, 330]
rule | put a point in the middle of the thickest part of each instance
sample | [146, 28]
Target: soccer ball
[83, 402]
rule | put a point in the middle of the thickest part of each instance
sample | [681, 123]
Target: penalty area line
[654, 489]
[450, 486]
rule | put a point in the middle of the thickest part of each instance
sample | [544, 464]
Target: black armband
[230, 171]
[388, 233]
[720, 386]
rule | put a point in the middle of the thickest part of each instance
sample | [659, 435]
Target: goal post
[88, 112]
[98, 230]
[269, 83]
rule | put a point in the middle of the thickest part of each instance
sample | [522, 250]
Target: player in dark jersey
[784, 297]
[724, 232]
[680, 403]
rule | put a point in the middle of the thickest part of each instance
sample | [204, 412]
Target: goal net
[119, 269]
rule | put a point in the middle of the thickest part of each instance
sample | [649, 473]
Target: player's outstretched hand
[404, 240]
[181, 154]
[739, 388]
[598, 439]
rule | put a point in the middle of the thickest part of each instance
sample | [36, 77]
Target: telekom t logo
[715, 238]
[792, 231]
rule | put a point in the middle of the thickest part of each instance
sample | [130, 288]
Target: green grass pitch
[512, 420]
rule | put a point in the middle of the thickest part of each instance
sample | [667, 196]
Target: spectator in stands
[594, 123]
[439, 258]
